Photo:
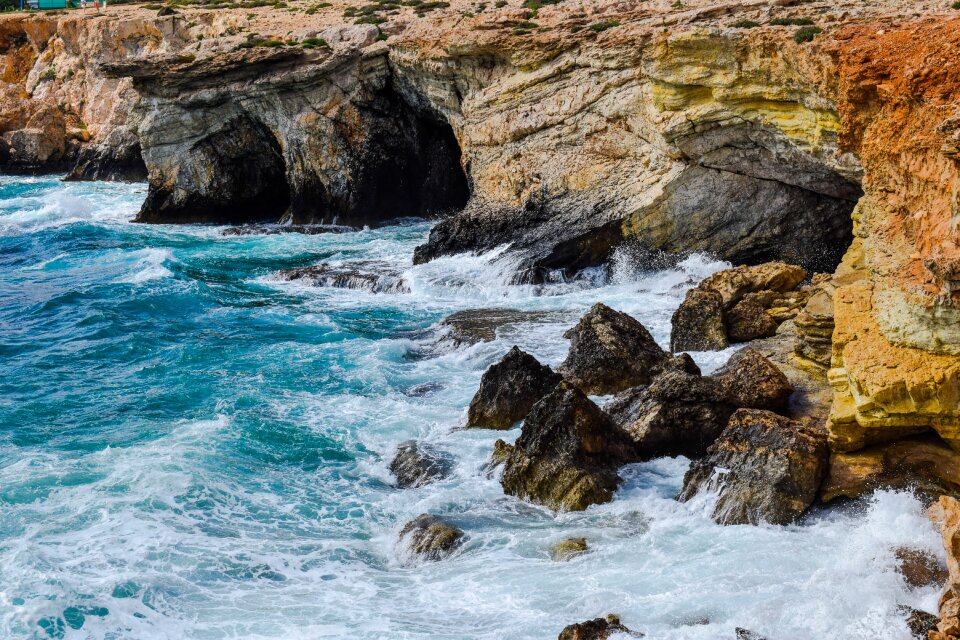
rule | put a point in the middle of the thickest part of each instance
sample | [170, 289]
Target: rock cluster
[764, 467]
[737, 305]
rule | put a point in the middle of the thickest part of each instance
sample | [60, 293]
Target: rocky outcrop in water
[597, 629]
[699, 323]
[509, 389]
[568, 549]
[430, 537]
[481, 325]
[609, 352]
[568, 453]
[416, 464]
[375, 277]
[764, 467]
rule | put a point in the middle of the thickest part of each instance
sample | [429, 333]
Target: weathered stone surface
[596, 629]
[946, 513]
[733, 285]
[920, 568]
[748, 320]
[609, 352]
[568, 453]
[682, 412]
[481, 325]
[923, 464]
[431, 537]
[752, 381]
[509, 389]
[501, 453]
[815, 327]
[568, 549]
[698, 324]
[416, 464]
[766, 468]
[375, 277]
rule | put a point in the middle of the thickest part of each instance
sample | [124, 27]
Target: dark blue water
[191, 447]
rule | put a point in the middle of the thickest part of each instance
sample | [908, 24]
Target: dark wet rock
[568, 549]
[596, 629]
[117, 159]
[920, 623]
[753, 382]
[682, 412]
[568, 453]
[431, 537]
[416, 464]
[609, 352]
[746, 634]
[923, 464]
[748, 320]
[423, 390]
[509, 389]
[698, 323]
[501, 452]
[920, 568]
[481, 325]
[276, 229]
[765, 467]
[375, 277]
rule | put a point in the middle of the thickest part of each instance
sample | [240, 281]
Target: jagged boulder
[682, 412]
[470, 326]
[610, 351]
[766, 468]
[734, 284]
[568, 453]
[753, 382]
[698, 323]
[431, 537]
[416, 464]
[509, 389]
[596, 629]
[748, 320]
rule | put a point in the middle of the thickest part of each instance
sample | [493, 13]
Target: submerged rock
[568, 549]
[765, 467]
[746, 634]
[734, 284]
[596, 629]
[417, 464]
[431, 537]
[609, 352]
[920, 623]
[698, 323]
[920, 568]
[480, 325]
[509, 389]
[924, 464]
[568, 453]
[276, 229]
[375, 277]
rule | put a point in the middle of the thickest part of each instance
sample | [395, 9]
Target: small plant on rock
[791, 22]
[746, 24]
[806, 34]
[598, 27]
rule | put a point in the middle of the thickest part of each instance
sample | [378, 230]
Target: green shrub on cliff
[598, 27]
[746, 24]
[312, 43]
[956, 5]
[791, 22]
[806, 34]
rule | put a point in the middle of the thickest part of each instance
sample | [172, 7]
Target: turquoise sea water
[192, 448]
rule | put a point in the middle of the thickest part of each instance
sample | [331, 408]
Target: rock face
[431, 537]
[683, 413]
[699, 323]
[596, 629]
[946, 512]
[416, 464]
[568, 453]
[609, 352]
[765, 467]
[509, 389]
[924, 464]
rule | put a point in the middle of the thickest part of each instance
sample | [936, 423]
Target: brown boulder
[431, 537]
[509, 389]
[748, 320]
[568, 453]
[734, 284]
[698, 323]
[923, 463]
[609, 352]
[920, 568]
[766, 468]
[753, 382]
[921, 623]
[568, 549]
[596, 629]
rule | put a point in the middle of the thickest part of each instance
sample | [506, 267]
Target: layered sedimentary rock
[946, 512]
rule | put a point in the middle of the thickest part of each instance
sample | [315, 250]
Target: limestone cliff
[563, 130]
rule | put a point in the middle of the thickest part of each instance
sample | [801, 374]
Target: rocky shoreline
[827, 166]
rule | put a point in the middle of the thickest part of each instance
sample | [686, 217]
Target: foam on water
[192, 448]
